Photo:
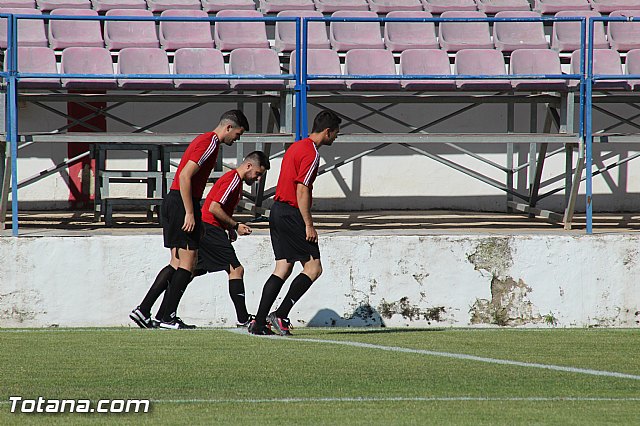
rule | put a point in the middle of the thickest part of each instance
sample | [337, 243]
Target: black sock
[236, 291]
[174, 293]
[299, 287]
[158, 286]
[269, 293]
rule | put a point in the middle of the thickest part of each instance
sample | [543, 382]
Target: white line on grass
[461, 356]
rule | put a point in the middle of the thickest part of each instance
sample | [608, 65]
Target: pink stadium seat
[386, 6]
[143, 60]
[285, 33]
[426, 61]
[37, 60]
[456, 36]
[554, 6]
[633, 67]
[87, 60]
[64, 33]
[258, 61]
[624, 36]
[536, 61]
[321, 61]
[30, 31]
[441, 6]
[162, 5]
[608, 6]
[510, 36]
[566, 35]
[399, 36]
[605, 62]
[48, 5]
[355, 35]
[232, 35]
[370, 62]
[123, 34]
[199, 61]
[175, 35]
[18, 4]
[330, 6]
[495, 6]
[104, 5]
[481, 62]
[214, 6]
[275, 6]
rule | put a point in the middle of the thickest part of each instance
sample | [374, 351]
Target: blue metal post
[304, 132]
[12, 117]
[588, 128]
[298, 97]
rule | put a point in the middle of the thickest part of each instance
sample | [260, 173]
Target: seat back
[285, 32]
[456, 36]
[481, 62]
[175, 35]
[330, 6]
[509, 36]
[386, 6]
[554, 6]
[143, 60]
[258, 61]
[35, 59]
[69, 33]
[355, 35]
[605, 62]
[31, 32]
[370, 62]
[495, 6]
[49, 5]
[123, 34]
[441, 6]
[399, 36]
[275, 6]
[536, 61]
[233, 35]
[213, 6]
[162, 5]
[87, 60]
[105, 5]
[426, 61]
[608, 6]
[566, 35]
[321, 61]
[199, 61]
[624, 36]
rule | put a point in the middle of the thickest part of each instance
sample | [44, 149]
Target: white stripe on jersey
[212, 147]
[313, 167]
[232, 186]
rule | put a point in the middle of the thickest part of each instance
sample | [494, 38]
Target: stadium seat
[31, 32]
[175, 35]
[554, 6]
[441, 6]
[386, 6]
[370, 62]
[67, 33]
[233, 35]
[17, 4]
[355, 35]
[275, 6]
[162, 5]
[143, 60]
[214, 6]
[605, 62]
[624, 36]
[123, 34]
[48, 5]
[510, 36]
[633, 67]
[199, 61]
[536, 61]
[456, 36]
[566, 35]
[426, 61]
[330, 6]
[480, 62]
[258, 61]
[37, 60]
[608, 6]
[399, 36]
[105, 5]
[87, 60]
[285, 32]
[321, 61]
[495, 6]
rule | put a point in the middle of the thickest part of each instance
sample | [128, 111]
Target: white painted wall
[574, 280]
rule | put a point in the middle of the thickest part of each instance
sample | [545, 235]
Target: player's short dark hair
[236, 118]
[326, 119]
[259, 158]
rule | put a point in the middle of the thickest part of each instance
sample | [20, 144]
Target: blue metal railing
[300, 75]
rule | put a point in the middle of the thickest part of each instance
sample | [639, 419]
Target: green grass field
[419, 377]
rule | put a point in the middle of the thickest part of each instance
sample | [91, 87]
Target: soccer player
[216, 252]
[182, 223]
[293, 236]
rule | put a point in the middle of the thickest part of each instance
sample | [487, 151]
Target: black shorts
[288, 234]
[216, 252]
[172, 218]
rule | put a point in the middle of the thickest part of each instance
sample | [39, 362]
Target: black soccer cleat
[261, 330]
[175, 324]
[281, 325]
[246, 323]
[140, 319]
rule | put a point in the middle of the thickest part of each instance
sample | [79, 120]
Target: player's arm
[227, 221]
[187, 172]
[303, 195]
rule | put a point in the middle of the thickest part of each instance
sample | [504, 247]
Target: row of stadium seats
[342, 36]
[261, 61]
[330, 6]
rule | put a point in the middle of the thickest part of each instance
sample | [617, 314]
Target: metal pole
[12, 117]
[588, 122]
[302, 124]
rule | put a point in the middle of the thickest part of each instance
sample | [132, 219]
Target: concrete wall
[395, 280]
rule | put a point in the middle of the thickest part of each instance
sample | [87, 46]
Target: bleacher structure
[303, 52]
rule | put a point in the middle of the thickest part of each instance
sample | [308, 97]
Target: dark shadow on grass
[385, 330]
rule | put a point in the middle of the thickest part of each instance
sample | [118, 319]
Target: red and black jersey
[226, 191]
[300, 165]
[203, 150]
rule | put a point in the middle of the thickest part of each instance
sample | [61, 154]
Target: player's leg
[181, 279]
[312, 269]
[237, 293]
[271, 290]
